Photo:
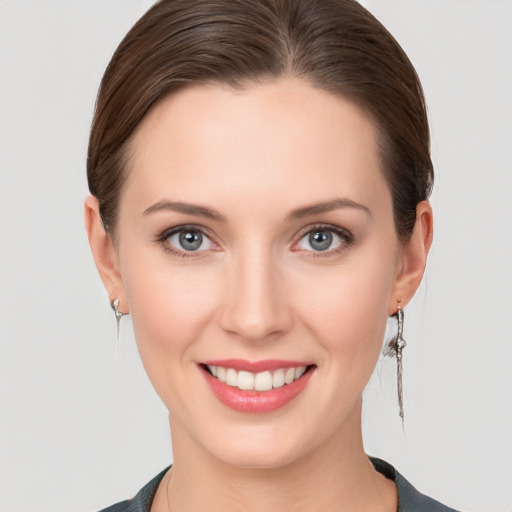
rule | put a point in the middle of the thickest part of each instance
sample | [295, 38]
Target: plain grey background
[81, 427]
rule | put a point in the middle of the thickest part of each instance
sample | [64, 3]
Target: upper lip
[255, 366]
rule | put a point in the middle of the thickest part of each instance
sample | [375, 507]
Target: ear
[104, 253]
[413, 258]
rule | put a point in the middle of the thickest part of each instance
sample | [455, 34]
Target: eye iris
[320, 240]
[191, 240]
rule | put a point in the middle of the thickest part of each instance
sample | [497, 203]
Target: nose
[256, 306]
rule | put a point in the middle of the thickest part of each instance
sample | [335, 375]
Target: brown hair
[335, 45]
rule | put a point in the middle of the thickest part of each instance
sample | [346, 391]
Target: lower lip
[256, 401]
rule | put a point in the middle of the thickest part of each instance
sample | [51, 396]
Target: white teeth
[262, 381]
[231, 377]
[278, 379]
[289, 376]
[221, 373]
[299, 372]
[245, 380]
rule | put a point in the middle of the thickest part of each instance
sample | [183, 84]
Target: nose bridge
[255, 299]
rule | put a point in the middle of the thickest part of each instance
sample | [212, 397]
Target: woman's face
[256, 235]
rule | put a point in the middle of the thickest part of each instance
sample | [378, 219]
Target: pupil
[191, 240]
[320, 240]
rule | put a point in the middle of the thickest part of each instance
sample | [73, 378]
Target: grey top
[409, 499]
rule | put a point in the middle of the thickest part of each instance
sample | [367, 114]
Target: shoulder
[409, 498]
[141, 502]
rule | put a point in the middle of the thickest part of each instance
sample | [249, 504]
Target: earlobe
[413, 258]
[103, 252]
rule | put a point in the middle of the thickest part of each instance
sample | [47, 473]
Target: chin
[269, 447]
[253, 457]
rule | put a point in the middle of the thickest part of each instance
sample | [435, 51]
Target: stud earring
[115, 306]
[394, 347]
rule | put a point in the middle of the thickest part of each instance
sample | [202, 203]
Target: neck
[335, 476]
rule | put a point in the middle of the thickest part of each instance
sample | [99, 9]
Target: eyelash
[346, 237]
[162, 240]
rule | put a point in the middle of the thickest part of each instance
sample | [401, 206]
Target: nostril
[255, 308]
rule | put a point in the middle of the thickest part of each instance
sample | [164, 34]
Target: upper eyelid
[324, 226]
[184, 227]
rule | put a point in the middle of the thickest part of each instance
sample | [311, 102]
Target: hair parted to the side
[335, 45]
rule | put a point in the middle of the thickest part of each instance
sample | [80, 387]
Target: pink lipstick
[256, 387]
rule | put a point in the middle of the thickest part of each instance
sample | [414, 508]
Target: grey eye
[189, 240]
[320, 240]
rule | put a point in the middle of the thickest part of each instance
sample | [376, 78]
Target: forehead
[282, 139]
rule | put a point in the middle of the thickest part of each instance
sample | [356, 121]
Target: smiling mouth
[261, 381]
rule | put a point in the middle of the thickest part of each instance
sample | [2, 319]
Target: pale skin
[257, 288]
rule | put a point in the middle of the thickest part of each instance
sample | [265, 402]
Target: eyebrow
[187, 208]
[326, 206]
[299, 213]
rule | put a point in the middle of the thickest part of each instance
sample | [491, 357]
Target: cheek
[346, 309]
[169, 305]
[170, 308]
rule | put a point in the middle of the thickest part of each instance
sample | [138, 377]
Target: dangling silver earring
[115, 306]
[394, 347]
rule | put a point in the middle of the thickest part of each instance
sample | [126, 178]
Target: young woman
[259, 175]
